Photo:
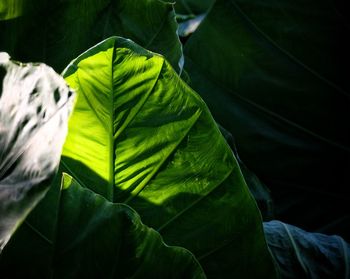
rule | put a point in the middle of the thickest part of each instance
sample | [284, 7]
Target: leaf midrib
[113, 136]
[111, 143]
[144, 183]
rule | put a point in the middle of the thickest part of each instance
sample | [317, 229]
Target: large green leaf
[273, 74]
[99, 239]
[139, 135]
[56, 31]
[34, 107]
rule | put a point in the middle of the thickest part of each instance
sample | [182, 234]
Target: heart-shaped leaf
[141, 136]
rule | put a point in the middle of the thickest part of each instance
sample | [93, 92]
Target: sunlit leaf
[34, 107]
[140, 135]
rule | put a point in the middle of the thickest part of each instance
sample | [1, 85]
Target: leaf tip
[4, 57]
[66, 181]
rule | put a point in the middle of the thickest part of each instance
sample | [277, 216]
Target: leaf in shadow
[273, 74]
[96, 238]
[192, 7]
[259, 190]
[300, 254]
[75, 25]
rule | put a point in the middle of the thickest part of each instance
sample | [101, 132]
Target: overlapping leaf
[274, 74]
[139, 135]
[96, 238]
[301, 254]
[192, 7]
[190, 13]
[55, 31]
[34, 107]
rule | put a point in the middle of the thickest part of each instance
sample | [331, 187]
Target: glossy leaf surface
[141, 136]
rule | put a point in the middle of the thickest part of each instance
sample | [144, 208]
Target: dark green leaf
[99, 239]
[191, 7]
[274, 73]
[55, 31]
[140, 135]
[259, 190]
[34, 107]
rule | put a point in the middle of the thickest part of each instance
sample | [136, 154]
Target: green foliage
[139, 135]
[11, 9]
[151, 143]
[95, 238]
[191, 7]
[272, 72]
[274, 75]
[55, 31]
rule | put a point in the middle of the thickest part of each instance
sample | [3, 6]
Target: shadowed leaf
[55, 31]
[274, 74]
